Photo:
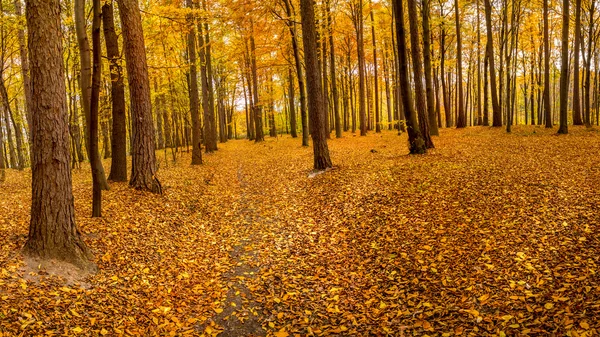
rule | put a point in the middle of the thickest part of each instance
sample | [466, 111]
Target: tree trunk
[421, 104]
[496, 112]
[433, 128]
[334, 87]
[53, 233]
[193, 89]
[576, 96]
[547, 106]
[461, 121]
[24, 65]
[314, 90]
[118, 168]
[94, 110]
[143, 168]
[292, 102]
[256, 108]
[362, 109]
[415, 140]
[85, 81]
[564, 71]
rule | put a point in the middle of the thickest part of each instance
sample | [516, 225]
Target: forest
[299, 168]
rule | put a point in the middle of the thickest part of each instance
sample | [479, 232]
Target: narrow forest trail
[487, 234]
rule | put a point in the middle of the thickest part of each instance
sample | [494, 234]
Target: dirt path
[240, 312]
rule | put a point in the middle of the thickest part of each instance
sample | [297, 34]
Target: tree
[416, 144]
[421, 104]
[94, 107]
[461, 122]
[118, 168]
[496, 112]
[433, 127]
[85, 81]
[547, 106]
[576, 50]
[314, 89]
[53, 232]
[564, 71]
[193, 88]
[143, 167]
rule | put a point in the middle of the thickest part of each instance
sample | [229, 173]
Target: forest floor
[488, 234]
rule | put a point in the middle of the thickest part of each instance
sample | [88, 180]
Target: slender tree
[547, 106]
[564, 71]
[416, 144]
[425, 11]
[577, 120]
[193, 88]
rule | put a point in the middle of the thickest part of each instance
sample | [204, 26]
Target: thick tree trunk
[415, 140]
[118, 168]
[143, 168]
[315, 92]
[53, 233]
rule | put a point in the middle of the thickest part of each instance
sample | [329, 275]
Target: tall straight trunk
[94, 109]
[445, 95]
[53, 233]
[209, 136]
[24, 60]
[386, 77]
[362, 108]
[210, 128]
[292, 102]
[433, 128]
[7, 110]
[479, 115]
[17, 123]
[461, 121]
[118, 167]
[421, 104]
[334, 83]
[259, 136]
[193, 87]
[547, 106]
[486, 109]
[325, 75]
[85, 81]
[564, 71]
[496, 112]
[587, 113]
[299, 74]
[375, 74]
[143, 168]
[576, 48]
[315, 92]
[416, 144]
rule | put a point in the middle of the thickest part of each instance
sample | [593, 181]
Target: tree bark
[53, 233]
[461, 121]
[118, 168]
[143, 168]
[433, 128]
[576, 48]
[416, 144]
[496, 112]
[547, 106]
[315, 92]
[193, 90]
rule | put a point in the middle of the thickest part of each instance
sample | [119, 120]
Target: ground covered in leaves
[488, 234]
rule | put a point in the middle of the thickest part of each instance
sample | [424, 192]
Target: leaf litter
[488, 234]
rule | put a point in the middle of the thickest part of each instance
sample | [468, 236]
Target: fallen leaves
[481, 237]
